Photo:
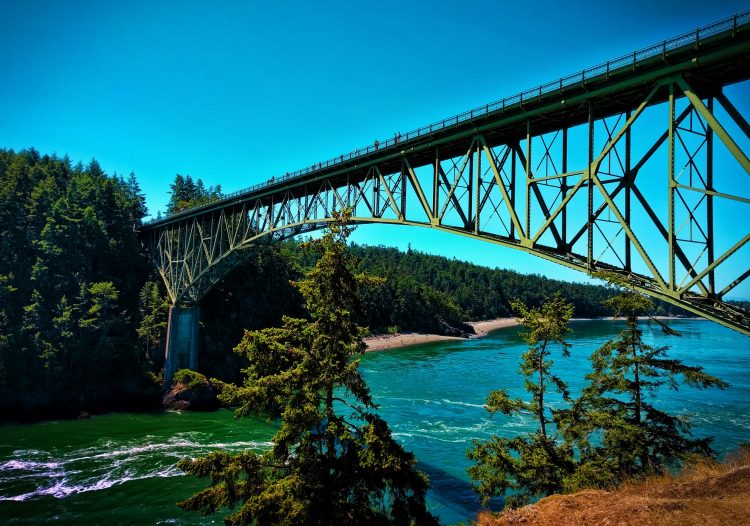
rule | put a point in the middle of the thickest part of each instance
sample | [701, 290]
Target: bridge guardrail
[609, 68]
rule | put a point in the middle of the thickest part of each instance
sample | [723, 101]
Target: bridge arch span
[612, 169]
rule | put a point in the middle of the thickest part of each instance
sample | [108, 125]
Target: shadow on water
[458, 502]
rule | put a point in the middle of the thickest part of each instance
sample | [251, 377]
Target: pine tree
[538, 464]
[153, 307]
[73, 267]
[334, 461]
[186, 193]
[136, 198]
[634, 436]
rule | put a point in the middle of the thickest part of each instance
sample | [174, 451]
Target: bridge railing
[616, 66]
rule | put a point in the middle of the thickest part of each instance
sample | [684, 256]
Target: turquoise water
[119, 468]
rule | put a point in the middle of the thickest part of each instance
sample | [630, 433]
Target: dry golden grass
[705, 493]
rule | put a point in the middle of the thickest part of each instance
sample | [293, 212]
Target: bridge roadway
[551, 171]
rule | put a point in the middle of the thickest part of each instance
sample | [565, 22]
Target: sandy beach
[394, 341]
[483, 328]
[382, 342]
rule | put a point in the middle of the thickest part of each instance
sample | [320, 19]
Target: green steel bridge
[635, 166]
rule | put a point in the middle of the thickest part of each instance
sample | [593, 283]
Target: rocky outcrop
[462, 330]
[190, 391]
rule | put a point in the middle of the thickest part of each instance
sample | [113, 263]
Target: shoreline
[482, 328]
[383, 342]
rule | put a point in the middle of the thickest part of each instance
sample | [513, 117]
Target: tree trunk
[542, 423]
[330, 442]
[633, 321]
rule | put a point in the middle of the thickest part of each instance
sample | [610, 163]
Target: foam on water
[464, 404]
[25, 465]
[64, 487]
[422, 436]
[108, 463]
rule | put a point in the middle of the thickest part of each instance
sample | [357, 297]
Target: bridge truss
[638, 169]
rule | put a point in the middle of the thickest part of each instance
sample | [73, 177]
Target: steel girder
[590, 204]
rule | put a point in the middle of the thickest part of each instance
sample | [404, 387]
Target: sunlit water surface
[120, 468]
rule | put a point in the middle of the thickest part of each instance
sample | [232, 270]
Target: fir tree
[334, 461]
[70, 271]
[186, 193]
[538, 464]
[136, 199]
[153, 307]
[634, 436]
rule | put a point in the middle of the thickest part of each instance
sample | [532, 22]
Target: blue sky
[237, 92]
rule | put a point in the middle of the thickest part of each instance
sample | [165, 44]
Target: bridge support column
[182, 341]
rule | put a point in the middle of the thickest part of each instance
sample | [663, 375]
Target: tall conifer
[333, 460]
[619, 406]
[524, 467]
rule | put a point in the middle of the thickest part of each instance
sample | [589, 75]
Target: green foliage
[421, 293]
[422, 289]
[521, 468]
[743, 304]
[634, 437]
[156, 379]
[334, 461]
[70, 271]
[153, 310]
[186, 193]
[538, 464]
[612, 432]
[190, 379]
[256, 294]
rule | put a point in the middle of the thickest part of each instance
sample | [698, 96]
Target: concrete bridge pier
[182, 341]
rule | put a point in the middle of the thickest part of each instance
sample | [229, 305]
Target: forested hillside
[416, 282]
[71, 270]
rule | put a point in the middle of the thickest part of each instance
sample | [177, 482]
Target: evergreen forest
[71, 271]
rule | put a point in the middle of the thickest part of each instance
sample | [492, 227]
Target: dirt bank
[705, 495]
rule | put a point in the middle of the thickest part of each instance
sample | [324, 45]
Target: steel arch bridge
[636, 166]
